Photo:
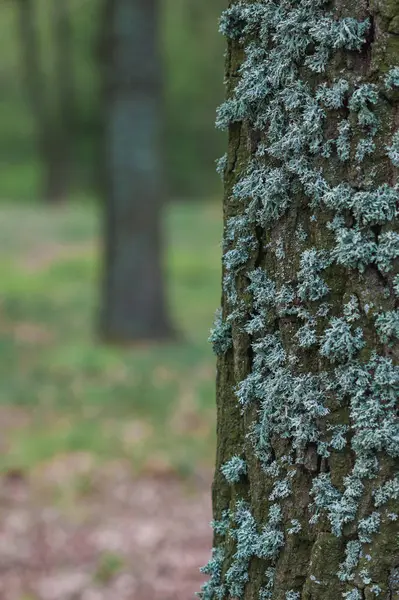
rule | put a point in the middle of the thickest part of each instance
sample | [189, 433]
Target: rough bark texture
[134, 297]
[335, 536]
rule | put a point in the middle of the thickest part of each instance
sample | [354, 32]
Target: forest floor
[120, 538]
[106, 453]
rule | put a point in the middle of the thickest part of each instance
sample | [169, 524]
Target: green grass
[60, 390]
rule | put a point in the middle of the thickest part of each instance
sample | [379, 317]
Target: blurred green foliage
[193, 60]
[60, 392]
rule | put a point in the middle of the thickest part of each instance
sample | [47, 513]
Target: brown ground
[74, 532]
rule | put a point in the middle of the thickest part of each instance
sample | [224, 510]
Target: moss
[322, 583]
[391, 50]
[394, 25]
[387, 8]
[385, 546]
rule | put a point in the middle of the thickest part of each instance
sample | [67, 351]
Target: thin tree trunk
[306, 490]
[65, 88]
[134, 295]
[37, 94]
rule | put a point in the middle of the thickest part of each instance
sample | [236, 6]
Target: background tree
[52, 113]
[134, 296]
[64, 86]
[306, 488]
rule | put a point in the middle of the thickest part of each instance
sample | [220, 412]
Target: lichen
[386, 492]
[353, 552]
[392, 78]
[221, 165]
[387, 326]
[393, 149]
[340, 342]
[234, 469]
[249, 543]
[311, 285]
[387, 250]
[214, 587]
[220, 336]
[354, 249]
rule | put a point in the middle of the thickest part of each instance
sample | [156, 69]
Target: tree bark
[134, 292]
[49, 144]
[306, 488]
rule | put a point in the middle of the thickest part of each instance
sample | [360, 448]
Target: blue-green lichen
[341, 342]
[234, 469]
[220, 336]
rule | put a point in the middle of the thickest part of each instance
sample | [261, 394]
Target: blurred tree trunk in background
[52, 125]
[65, 91]
[134, 305]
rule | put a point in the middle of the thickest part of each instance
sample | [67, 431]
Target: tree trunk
[49, 145]
[134, 294]
[306, 490]
[65, 88]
